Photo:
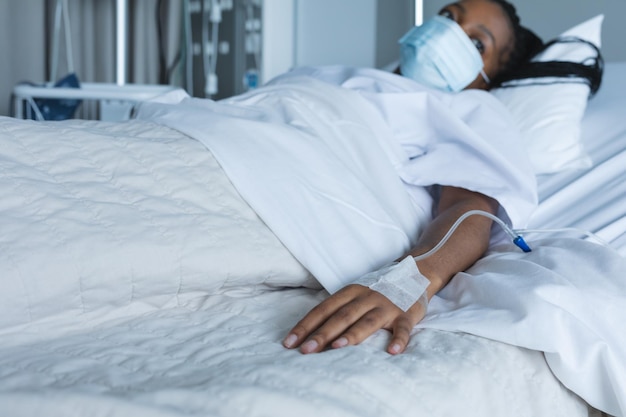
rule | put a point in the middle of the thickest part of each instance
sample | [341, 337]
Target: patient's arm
[355, 312]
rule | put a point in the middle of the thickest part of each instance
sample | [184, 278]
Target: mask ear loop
[485, 77]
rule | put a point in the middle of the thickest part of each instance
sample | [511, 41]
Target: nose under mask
[439, 54]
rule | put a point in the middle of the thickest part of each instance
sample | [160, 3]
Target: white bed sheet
[224, 358]
[161, 312]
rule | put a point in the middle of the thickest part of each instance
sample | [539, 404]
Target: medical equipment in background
[225, 40]
[55, 108]
[419, 12]
[115, 101]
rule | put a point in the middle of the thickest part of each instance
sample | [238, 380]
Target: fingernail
[395, 348]
[290, 340]
[341, 342]
[309, 346]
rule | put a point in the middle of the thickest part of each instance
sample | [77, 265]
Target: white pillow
[550, 115]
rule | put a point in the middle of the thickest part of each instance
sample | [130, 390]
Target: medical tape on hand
[401, 282]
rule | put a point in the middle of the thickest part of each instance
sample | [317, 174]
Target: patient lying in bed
[447, 142]
[133, 230]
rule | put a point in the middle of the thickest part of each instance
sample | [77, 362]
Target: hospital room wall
[21, 44]
[303, 32]
[365, 32]
[327, 32]
[25, 42]
[551, 18]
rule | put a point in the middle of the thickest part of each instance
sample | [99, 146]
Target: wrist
[400, 282]
[437, 282]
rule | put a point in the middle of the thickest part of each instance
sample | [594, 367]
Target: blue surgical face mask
[439, 54]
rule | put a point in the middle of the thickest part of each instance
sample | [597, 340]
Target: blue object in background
[60, 108]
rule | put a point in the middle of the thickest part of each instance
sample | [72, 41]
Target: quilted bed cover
[136, 282]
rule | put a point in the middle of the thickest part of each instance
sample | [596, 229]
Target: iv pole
[121, 37]
[419, 12]
[116, 100]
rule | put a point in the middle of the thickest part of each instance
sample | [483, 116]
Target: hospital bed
[137, 282]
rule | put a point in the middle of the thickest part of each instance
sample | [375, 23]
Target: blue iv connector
[521, 243]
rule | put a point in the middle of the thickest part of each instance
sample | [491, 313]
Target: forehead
[487, 10]
[487, 15]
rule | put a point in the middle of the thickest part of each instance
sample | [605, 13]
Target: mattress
[137, 282]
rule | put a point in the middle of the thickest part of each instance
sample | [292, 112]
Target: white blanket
[98, 216]
[565, 298]
[223, 358]
[321, 166]
[135, 282]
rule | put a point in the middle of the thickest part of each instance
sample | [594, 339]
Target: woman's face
[487, 25]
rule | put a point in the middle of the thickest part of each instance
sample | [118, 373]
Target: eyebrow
[459, 6]
[488, 33]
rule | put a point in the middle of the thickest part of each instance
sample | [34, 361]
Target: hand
[350, 316]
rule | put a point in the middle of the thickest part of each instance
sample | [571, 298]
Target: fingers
[348, 326]
[358, 329]
[317, 316]
[401, 332]
[349, 317]
[401, 335]
[346, 318]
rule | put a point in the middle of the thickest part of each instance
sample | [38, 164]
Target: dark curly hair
[525, 43]
[517, 64]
